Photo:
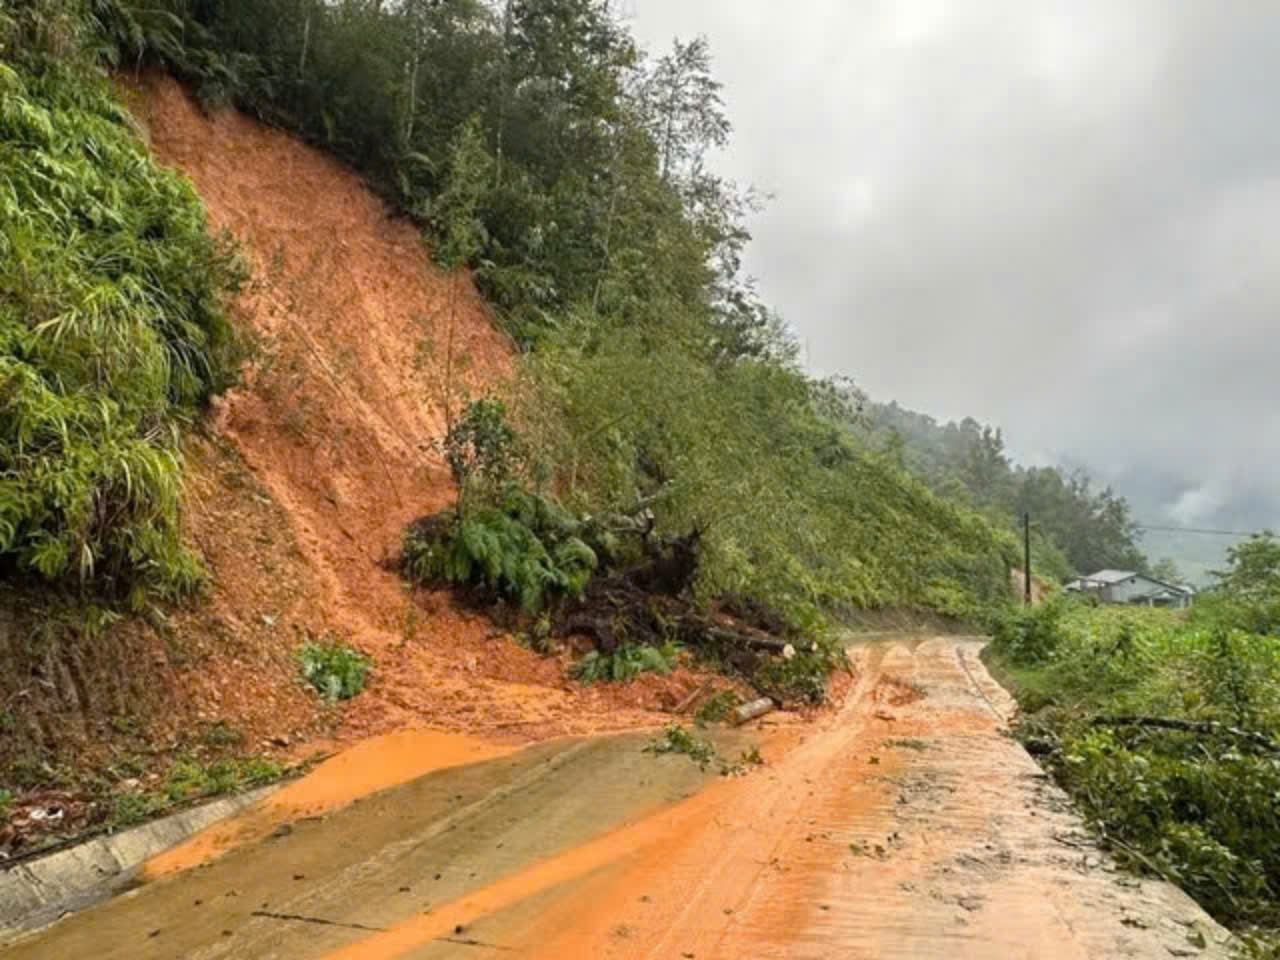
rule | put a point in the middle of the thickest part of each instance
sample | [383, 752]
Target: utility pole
[1026, 557]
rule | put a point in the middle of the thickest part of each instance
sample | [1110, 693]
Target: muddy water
[907, 825]
[364, 769]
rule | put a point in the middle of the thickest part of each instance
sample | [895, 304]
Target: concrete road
[904, 825]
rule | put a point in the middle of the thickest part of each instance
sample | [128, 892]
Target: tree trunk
[753, 710]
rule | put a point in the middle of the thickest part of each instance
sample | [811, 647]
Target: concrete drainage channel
[36, 892]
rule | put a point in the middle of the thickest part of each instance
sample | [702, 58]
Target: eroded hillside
[298, 488]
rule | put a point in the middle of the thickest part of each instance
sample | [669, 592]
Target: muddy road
[904, 825]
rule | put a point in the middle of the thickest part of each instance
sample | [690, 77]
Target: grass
[190, 778]
[222, 734]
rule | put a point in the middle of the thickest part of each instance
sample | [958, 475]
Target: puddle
[366, 768]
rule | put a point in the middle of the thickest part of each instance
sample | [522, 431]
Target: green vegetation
[803, 678]
[111, 328]
[1077, 529]
[539, 147]
[1166, 729]
[189, 778]
[518, 544]
[6, 803]
[626, 663]
[336, 670]
[221, 734]
[133, 807]
[524, 547]
[676, 739]
[717, 709]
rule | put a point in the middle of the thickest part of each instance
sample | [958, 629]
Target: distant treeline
[1078, 528]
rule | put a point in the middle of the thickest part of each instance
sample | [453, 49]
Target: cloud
[1061, 217]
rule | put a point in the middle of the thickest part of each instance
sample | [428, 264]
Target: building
[1125, 586]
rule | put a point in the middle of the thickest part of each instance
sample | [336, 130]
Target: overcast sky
[1061, 218]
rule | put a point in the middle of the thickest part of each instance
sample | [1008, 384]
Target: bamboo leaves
[111, 332]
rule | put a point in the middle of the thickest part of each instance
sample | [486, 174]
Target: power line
[1152, 528]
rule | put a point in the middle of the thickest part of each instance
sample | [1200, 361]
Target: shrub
[337, 671]
[1029, 635]
[802, 678]
[1196, 806]
[112, 334]
[526, 548]
[626, 663]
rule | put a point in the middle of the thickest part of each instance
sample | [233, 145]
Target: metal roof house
[1126, 586]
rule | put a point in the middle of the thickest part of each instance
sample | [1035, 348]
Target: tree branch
[1203, 727]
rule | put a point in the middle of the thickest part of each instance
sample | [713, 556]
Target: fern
[626, 663]
[523, 549]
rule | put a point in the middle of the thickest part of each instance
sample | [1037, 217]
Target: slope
[298, 487]
[344, 393]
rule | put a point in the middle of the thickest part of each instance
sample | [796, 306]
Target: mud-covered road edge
[35, 893]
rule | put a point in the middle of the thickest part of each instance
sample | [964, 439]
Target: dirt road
[904, 825]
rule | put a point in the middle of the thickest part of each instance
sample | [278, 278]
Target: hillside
[1078, 526]
[299, 485]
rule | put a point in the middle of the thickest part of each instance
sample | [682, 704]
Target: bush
[527, 548]
[626, 663]
[1198, 806]
[1205, 818]
[112, 334]
[337, 671]
[804, 677]
[1026, 635]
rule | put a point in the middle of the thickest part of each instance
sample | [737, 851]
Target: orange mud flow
[906, 824]
[364, 769]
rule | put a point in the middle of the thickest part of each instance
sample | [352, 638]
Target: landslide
[298, 487]
[344, 391]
